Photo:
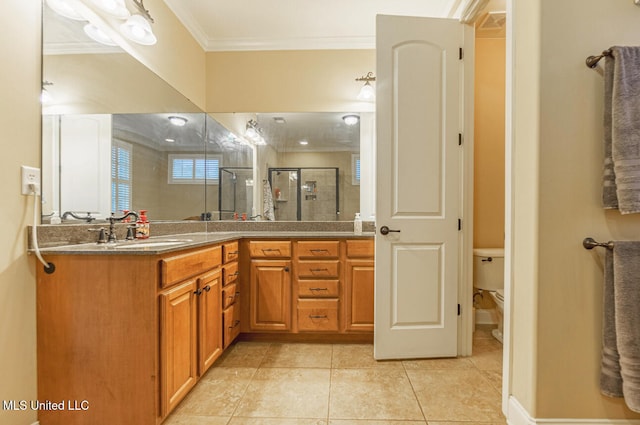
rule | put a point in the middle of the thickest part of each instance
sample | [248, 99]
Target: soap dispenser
[142, 225]
[357, 225]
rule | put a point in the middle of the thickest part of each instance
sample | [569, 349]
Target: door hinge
[460, 54]
[459, 139]
[459, 224]
[459, 309]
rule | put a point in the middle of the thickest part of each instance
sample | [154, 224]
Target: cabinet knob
[198, 291]
[286, 269]
[207, 288]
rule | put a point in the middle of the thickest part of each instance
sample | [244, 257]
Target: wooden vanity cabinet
[270, 286]
[190, 321]
[230, 293]
[317, 284]
[359, 286]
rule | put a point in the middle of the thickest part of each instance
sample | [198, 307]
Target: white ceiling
[296, 24]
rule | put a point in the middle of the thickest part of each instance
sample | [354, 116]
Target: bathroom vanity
[127, 332]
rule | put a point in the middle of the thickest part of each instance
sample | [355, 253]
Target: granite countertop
[170, 243]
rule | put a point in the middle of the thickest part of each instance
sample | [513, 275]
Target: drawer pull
[318, 316]
[236, 323]
[319, 250]
[318, 289]
[236, 273]
[233, 253]
[319, 270]
[270, 249]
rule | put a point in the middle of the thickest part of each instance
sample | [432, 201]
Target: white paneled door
[419, 116]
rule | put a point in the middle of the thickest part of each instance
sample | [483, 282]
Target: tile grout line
[406, 374]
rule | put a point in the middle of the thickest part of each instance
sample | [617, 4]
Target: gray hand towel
[626, 332]
[624, 104]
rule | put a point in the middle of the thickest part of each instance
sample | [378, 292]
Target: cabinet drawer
[317, 315]
[318, 268]
[270, 249]
[360, 248]
[179, 267]
[229, 273]
[229, 252]
[229, 295]
[318, 249]
[230, 323]
[318, 288]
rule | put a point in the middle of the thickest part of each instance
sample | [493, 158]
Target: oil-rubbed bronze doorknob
[385, 230]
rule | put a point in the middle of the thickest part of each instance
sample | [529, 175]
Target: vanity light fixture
[62, 7]
[367, 92]
[45, 96]
[351, 119]
[254, 133]
[138, 29]
[178, 121]
[96, 34]
[115, 8]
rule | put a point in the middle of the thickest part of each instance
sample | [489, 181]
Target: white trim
[302, 43]
[509, 211]
[518, 415]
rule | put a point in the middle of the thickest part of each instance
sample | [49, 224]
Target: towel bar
[592, 61]
[590, 243]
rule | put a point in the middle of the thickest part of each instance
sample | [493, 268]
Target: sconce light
[115, 8]
[178, 121]
[367, 92]
[45, 96]
[351, 119]
[96, 34]
[254, 133]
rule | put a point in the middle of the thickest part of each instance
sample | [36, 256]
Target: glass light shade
[115, 8]
[138, 29]
[178, 121]
[251, 133]
[351, 119]
[367, 92]
[62, 7]
[96, 34]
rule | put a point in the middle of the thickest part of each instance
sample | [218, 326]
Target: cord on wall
[48, 267]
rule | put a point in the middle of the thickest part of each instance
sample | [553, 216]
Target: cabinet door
[270, 295]
[210, 319]
[359, 290]
[178, 348]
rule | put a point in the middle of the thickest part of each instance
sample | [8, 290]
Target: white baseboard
[518, 415]
[485, 316]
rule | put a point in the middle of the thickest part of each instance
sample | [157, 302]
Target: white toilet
[488, 275]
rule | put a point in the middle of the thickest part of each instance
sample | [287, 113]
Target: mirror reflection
[108, 145]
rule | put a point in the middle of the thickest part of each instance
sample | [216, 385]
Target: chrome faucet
[88, 218]
[111, 237]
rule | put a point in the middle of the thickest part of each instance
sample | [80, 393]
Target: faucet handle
[131, 232]
[102, 236]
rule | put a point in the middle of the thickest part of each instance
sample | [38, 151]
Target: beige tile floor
[258, 383]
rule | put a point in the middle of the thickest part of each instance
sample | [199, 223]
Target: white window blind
[194, 169]
[121, 164]
[355, 169]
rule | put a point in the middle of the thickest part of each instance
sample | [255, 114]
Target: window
[194, 169]
[355, 170]
[120, 176]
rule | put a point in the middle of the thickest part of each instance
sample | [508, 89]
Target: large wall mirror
[112, 141]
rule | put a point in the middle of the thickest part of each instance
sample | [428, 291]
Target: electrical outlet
[30, 176]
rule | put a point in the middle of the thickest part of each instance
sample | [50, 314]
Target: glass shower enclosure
[235, 192]
[305, 193]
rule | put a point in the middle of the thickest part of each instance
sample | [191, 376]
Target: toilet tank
[488, 268]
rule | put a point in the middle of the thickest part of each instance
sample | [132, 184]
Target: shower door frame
[220, 171]
[298, 171]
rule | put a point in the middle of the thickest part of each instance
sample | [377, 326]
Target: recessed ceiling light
[351, 119]
[279, 120]
[178, 121]
[169, 140]
[303, 142]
